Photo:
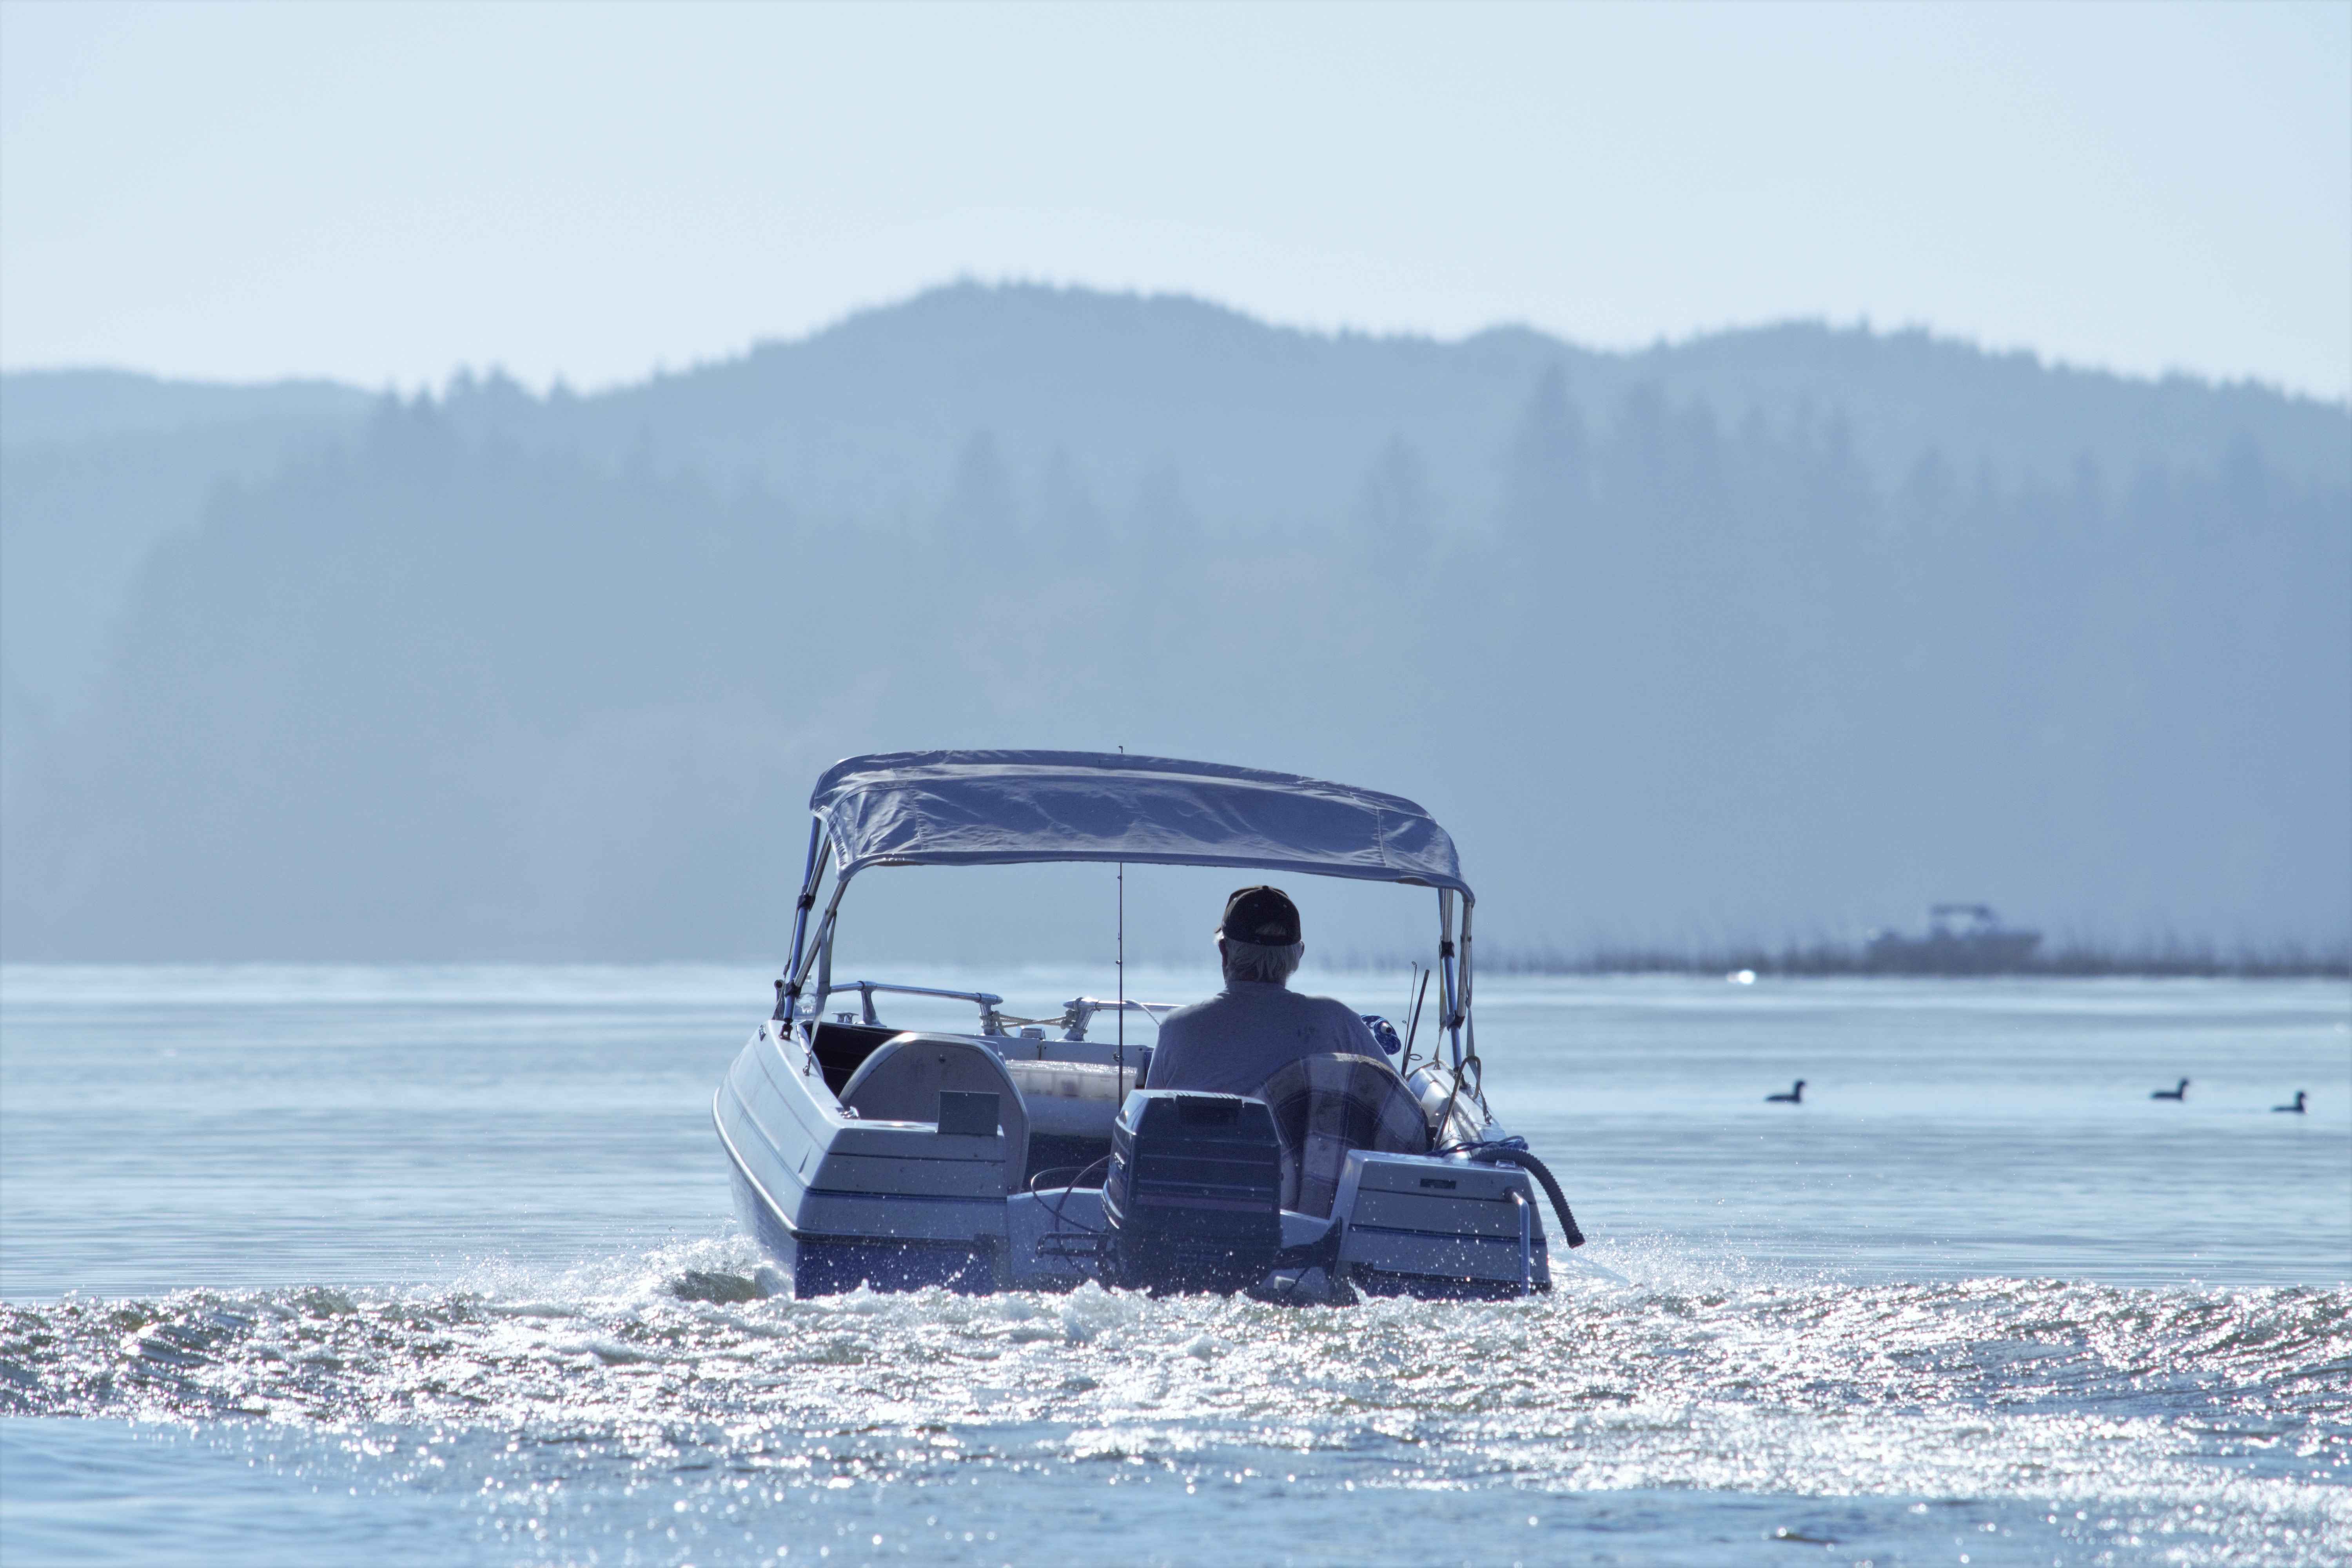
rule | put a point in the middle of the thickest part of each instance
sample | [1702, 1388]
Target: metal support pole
[1468, 903]
[1526, 1242]
[788, 989]
[1445, 973]
[824, 964]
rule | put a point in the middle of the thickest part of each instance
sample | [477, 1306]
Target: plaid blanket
[1326, 1105]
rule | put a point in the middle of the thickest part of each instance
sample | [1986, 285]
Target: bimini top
[994, 808]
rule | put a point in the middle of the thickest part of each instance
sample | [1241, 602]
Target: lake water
[383, 1265]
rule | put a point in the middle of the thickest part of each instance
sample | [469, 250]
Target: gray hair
[1258, 961]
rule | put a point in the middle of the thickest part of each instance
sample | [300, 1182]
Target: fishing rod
[1413, 1025]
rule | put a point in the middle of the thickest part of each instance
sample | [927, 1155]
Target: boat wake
[2219, 1420]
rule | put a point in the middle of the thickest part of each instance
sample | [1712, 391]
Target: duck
[1794, 1097]
[2178, 1092]
[2294, 1109]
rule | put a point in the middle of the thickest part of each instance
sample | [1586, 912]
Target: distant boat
[2296, 1109]
[1962, 939]
[1794, 1097]
[2178, 1091]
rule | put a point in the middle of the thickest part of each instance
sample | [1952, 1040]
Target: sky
[385, 194]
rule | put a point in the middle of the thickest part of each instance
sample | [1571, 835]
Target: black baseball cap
[1263, 915]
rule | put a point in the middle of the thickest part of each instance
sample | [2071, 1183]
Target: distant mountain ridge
[1046, 366]
[1268, 423]
[1754, 636]
[42, 407]
[1091, 409]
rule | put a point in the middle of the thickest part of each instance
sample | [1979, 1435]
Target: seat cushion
[902, 1079]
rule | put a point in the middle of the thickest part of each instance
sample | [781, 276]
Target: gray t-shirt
[1234, 1041]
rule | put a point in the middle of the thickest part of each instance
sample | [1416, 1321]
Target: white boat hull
[840, 1202]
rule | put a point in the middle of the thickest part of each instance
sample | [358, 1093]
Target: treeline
[466, 686]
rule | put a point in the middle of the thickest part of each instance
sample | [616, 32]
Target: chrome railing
[1081, 1012]
[992, 1022]
[1077, 1014]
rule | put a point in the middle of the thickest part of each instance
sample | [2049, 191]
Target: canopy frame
[813, 949]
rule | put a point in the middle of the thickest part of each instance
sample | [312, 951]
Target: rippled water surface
[435, 1266]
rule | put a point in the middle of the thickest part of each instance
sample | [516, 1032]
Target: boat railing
[1081, 1012]
[992, 1021]
[1077, 1014]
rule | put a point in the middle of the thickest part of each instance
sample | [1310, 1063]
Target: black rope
[1060, 1223]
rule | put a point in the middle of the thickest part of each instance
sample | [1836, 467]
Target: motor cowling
[1194, 1195]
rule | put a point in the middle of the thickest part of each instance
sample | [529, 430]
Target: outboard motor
[1195, 1195]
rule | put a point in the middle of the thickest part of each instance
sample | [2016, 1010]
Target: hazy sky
[385, 193]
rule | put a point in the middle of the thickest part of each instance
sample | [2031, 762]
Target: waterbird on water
[2296, 1109]
[1794, 1097]
[2178, 1092]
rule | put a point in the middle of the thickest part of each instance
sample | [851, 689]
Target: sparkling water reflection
[433, 1265]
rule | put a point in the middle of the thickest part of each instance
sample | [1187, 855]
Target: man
[1233, 1042]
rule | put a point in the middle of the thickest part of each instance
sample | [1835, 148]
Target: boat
[1030, 1154]
[1962, 939]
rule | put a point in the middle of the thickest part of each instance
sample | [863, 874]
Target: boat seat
[902, 1079]
[841, 1049]
[1325, 1106]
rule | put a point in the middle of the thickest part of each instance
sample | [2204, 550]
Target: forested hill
[1261, 427]
[95, 466]
[1771, 634]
